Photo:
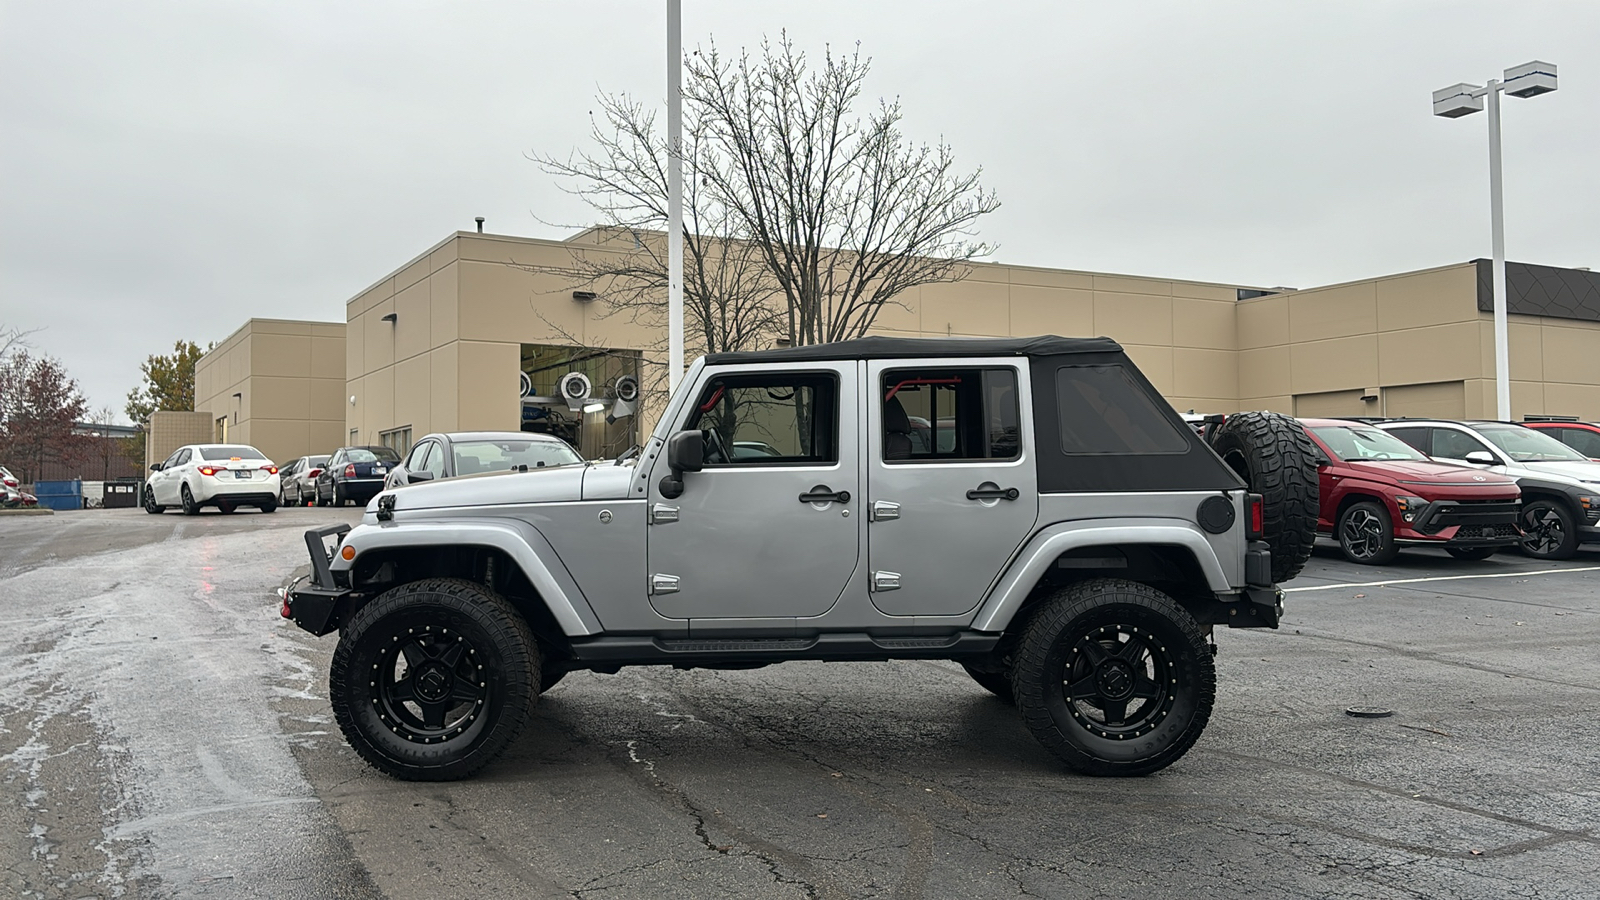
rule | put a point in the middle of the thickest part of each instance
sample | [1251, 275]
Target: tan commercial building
[477, 332]
[276, 385]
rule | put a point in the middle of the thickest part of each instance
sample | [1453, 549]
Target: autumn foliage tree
[168, 385]
[39, 403]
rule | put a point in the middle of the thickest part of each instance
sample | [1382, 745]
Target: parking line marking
[1356, 584]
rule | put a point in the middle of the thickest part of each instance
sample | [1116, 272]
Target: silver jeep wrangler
[1028, 508]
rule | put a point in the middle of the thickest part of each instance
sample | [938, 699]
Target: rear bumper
[363, 488]
[207, 489]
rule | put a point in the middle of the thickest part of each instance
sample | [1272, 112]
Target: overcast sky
[169, 169]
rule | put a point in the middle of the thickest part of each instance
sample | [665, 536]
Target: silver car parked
[299, 480]
[439, 456]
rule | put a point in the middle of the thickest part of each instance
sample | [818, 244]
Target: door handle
[824, 494]
[990, 491]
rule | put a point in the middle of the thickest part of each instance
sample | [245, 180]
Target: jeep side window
[1104, 411]
[938, 415]
[1454, 444]
[770, 419]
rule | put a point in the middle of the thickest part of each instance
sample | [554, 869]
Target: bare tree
[802, 218]
[13, 339]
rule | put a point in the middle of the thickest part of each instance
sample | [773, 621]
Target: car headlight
[1411, 508]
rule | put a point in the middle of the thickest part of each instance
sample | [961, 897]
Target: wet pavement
[166, 734]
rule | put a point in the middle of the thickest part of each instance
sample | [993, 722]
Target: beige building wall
[168, 430]
[290, 378]
[449, 359]
[1395, 346]
[1412, 344]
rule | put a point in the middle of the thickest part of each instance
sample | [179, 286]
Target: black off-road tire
[444, 640]
[190, 508]
[149, 501]
[1366, 534]
[1092, 649]
[996, 683]
[1472, 553]
[1549, 529]
[1273, 455]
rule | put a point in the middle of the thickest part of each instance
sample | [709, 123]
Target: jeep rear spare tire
[1273, 455]
[1114, 677]
[433, 679]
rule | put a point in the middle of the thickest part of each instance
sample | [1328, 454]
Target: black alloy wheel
[1114, 678]
[1549, 530]
[1471, 553]
[190, 508]
[1366, 535]
[433, 679]
[150, 505]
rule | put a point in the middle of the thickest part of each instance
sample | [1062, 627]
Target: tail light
[313, 473]
[212, 470]
[1253, 516]
[270, 470]
[350, 471]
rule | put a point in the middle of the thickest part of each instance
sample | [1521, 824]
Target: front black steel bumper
[319, 606]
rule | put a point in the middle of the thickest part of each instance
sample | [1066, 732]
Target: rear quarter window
[1104, 411]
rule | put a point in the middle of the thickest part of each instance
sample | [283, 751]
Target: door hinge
[661, 514]
[885, 581]
[663, 584]
[884, 510]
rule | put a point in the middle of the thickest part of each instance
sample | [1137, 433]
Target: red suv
[1583, 437]
[1378, 493]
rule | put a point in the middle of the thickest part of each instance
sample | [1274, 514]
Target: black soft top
[907, 348]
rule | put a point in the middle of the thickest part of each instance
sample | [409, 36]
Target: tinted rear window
[371, 454]
[1103, 410]
[242, 452]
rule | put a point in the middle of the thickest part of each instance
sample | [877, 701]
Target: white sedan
[226, 476]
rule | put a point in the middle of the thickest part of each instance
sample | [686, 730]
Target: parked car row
[1473, 488]
[12, 496]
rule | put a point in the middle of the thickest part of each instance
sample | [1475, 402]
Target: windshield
[234, 452]
[371, 454]
[1356, 442]
[316, 460]
[473, 457]
[1527, 445]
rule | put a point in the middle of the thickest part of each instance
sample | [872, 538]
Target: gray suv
[1028, 508]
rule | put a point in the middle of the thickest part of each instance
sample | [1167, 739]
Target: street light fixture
[1527, 80]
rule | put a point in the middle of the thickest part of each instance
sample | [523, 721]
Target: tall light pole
[1527, 80]
[674, 193]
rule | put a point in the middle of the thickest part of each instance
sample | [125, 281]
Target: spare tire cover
[1271, 452]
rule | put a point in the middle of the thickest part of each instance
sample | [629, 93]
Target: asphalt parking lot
[164, 733]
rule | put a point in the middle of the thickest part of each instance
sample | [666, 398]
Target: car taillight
[211, 470]
[350, 471]
[1253, 516]
[313, 473]
[270, 470]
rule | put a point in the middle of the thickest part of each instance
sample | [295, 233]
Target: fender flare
[1041, 552]
[518, 540]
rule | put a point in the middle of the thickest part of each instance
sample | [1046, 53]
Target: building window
[221, 434]
[355, 436]
[397, 439]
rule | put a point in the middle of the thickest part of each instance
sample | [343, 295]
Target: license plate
[379, 470]
[238, 474]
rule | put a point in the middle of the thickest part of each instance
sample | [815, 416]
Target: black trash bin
[121, 494]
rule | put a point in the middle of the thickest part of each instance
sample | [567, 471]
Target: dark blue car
[354, 473]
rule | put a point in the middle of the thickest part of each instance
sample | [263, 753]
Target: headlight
[1411, 508]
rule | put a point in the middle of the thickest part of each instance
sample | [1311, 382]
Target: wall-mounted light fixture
[390, 318]
[352, 399]
[584, 296]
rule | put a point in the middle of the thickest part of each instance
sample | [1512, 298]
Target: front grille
[1472, 515]
[1472, 534]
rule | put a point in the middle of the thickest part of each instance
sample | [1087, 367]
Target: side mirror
[686, 452]
[1480, 458]
[155, 467]
[423, 475]
[1323, 460]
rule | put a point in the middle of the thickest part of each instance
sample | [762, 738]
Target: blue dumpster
[60, 495]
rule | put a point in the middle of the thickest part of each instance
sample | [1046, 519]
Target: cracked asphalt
[164, 734]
